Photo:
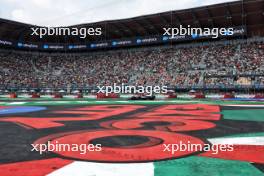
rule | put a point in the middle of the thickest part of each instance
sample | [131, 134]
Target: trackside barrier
[103, 95]
[199, 95]
[58, 95]
[259, 96]
[13, 95]
[229, 95]
[35, 95]
[79, 95]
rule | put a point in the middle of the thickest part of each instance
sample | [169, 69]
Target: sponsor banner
[6, 43]
[70, 47]
[122, 43]
[137, 41]
[238, 31]
[147, 40]
[53, 47]
[103, 44]
[27, 45]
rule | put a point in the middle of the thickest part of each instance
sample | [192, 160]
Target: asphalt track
[132, 135]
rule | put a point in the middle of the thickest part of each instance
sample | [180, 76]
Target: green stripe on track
[202, 166]
[248, 115]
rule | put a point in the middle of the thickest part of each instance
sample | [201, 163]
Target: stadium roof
[238, 13]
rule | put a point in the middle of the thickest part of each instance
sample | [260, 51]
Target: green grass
[71, 101]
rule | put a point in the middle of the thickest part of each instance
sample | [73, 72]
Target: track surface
[132, 137]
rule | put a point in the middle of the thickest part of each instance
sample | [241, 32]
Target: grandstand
[49, 95]
[182, 65]
[176, 67]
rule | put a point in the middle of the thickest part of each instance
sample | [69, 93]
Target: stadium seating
[184, 66]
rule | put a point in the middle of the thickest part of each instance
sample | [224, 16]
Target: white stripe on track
[17, 103]
[244, 105]
[80, 168]
[238, 140]
[122, 101]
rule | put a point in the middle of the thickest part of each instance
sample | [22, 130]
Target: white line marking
[244, 105]
[80, 168]
[122, 101]
[238, 140]
[16, 103]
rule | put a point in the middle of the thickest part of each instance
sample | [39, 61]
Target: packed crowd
[157, 66]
